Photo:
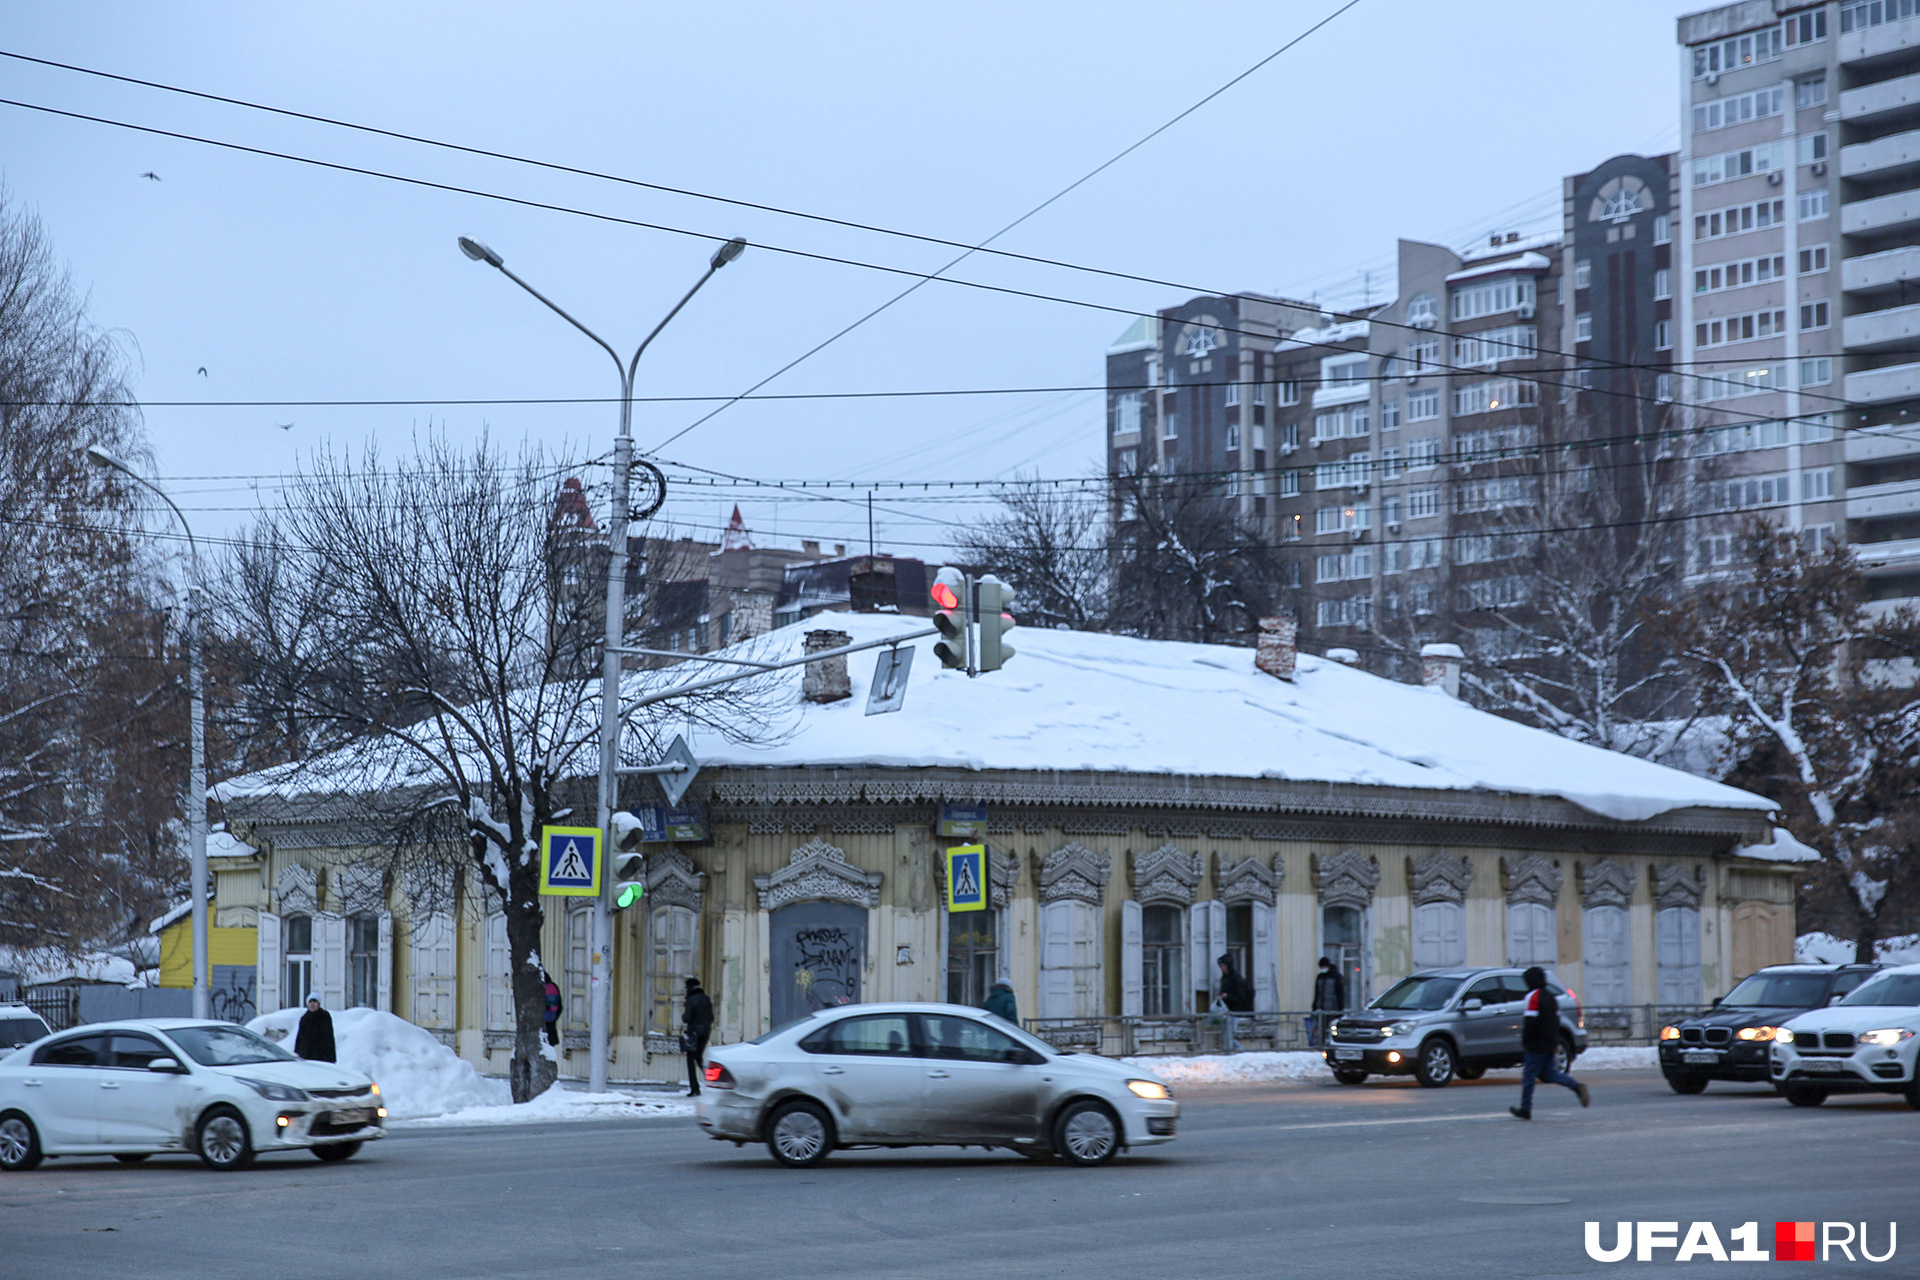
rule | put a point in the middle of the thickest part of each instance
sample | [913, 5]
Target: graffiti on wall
[233, 992]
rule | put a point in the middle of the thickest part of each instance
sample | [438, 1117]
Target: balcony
[1879, 444]
[1888, 269]
[1888, 557]
[1349, 393]
[1877, 330]
[1876, 386]
[1880, 44]
[1879, 501]
[1890, 97]
[1887, 157]
[1881, 214]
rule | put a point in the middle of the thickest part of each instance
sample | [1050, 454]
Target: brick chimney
[1277, 653]
[826, 681]
[1440, 667]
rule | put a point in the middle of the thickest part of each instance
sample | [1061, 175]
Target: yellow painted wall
[224, 946]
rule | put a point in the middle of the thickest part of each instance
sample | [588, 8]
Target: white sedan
[154, 1085]
[902, 1075]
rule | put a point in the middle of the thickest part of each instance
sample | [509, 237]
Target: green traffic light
[628, 895]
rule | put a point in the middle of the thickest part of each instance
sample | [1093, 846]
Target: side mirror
[1031, 1058]
[1716, 1002]
[1836, 998]
[1470, 1003]
[166, 1066]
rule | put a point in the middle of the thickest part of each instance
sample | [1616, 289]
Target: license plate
[355, 1115]
[1347, 1055]
[1700, 1055]
[1822, 1066]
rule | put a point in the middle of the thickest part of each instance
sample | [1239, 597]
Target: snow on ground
[558, 1103]
[1250, 1068]
[1824, 948]
[417, 1075]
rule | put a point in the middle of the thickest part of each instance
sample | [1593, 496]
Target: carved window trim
[1438, 876]
[1244, 880]
[1607, 883]
[1075, 872]
[819, 872]
[672, 881]
[1168, 875]
[1348, 878]
[1533, 879]
[1678, 884]
[297, 891]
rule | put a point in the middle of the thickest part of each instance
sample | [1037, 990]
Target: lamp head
[728, 252]
[480, 253]
[96, 454]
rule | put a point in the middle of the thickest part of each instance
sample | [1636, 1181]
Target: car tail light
[718, 1077]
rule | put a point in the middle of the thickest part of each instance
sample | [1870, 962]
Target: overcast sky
[1438, 121]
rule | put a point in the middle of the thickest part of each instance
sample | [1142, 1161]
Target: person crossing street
[1539, 1042]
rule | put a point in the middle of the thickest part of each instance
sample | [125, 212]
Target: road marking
[1496, 1199]
[1365, 1124]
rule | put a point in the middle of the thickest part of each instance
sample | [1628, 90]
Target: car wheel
[1913, 1092]
[799, 1135]
[1086, 1133]
[1800, 1096]
[1563, 1055]
[19, 1143]
[1466, 1072]
[221, 1140]
[1686, 1084]
[1435, 1067]
[1348, 1075]
[132, 1157]
[334, 1152]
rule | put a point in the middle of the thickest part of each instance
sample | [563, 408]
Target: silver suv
[1443, 1023]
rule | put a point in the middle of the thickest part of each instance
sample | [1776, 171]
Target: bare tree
[1186, 567]
[1819, 696]
[392, 627]
[92, 726]
[1050, 547]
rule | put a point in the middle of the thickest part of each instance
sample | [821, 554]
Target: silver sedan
[904, 1075]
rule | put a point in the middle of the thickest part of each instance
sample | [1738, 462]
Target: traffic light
[951, 592]
[996, 619]
[629, 863]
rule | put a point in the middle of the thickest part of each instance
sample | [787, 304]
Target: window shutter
[1530, 934]
[1677, 954]
[383, 977]
[266, 975]
[1200, 952]
[330, 960]
[579, 976]
[495, 982]
[1266, 958]
[430, 954]
[1608, 962]
[1216, 942]
[1089, 951]
[1056, 960]
[1453, 934]
[1132, 979]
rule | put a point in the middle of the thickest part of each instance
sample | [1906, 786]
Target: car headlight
[275, 1092]
[1669, 1033]
[1886, 1035]
[1333, 1028]
[1757, 1033]
[1148, 1089]
[375, 1090]
[1402, 1028]
[1782, 1035]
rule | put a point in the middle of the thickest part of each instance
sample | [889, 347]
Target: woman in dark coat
[314, 1041]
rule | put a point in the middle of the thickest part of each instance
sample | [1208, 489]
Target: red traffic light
[944, 596]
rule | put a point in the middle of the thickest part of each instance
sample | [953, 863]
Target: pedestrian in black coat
[1329, 999]
[314, 1040]
[699, 1026]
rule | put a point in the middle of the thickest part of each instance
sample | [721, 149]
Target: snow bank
[1255, 1068]
[1824, 948]
[417, 1075]
[560, 1104]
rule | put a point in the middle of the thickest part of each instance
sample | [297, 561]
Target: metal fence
[1126, 1037]
[59, 1006]
[64, 1007]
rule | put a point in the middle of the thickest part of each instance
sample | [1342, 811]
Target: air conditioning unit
[1713, 77]
[1288, 448]
[1358, 534]
[1524, 311]
[1393, 526]
[1773, 179]
[1819, 168]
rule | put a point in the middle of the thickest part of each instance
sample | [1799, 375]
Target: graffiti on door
[827, 966]
[232, 994]
[819, 949]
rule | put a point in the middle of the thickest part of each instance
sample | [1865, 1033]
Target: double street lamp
[197, 767]
[600, 1006]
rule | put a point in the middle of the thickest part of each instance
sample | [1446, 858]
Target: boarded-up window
[1070, 984]
[1609, 957]
[1530, 934]
[1676, 933]
[672, 935]
[1439, 935]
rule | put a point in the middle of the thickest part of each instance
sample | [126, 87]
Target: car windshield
[1419, 993]
[1781, 990]
[1894, 988]
[227, 1046]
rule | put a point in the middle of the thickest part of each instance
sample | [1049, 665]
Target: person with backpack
[1539, 1041]
[551, 989]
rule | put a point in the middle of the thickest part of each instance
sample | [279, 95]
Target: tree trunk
[531, 1071]
[1866, 936]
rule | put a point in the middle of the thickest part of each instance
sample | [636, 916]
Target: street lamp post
[600, 1000]
[197, 767]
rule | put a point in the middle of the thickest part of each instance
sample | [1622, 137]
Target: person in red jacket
[1539, 1039]
[552, 991]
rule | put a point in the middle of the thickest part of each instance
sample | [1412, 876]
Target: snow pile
[1783, 848]
[417, 1075]
[1257, 1068]
[1824, 948]
[558, 1103]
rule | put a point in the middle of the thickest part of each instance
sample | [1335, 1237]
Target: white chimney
[1276, 654]
[1440, 667]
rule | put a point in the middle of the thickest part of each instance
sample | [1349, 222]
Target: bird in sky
[284, 426]
[203, 371]
[151, 174]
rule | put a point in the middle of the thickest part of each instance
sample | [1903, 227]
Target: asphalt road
[1292, 1179]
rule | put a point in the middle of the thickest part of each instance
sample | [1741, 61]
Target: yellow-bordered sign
[570, 861]
[967, 877]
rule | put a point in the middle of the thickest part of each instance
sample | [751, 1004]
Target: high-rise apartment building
[1800, 253]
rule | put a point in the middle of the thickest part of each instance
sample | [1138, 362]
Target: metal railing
[1127, 1037]
[59, 1006]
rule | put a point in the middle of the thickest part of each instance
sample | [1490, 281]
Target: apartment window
[1810, 92]
[1421, 311]
[1583, 327]
[363, 961]
[1393, 556]
[1491, 346]
[1663, 382]
[1813, 204]
[1359, 469]
[1259, 393]
[1390, 468]
[1330, 475]
[1663, 229]
[1738, 219]
[1423, 406]
[1343, 371]
[1768, 157]
[1390, 416]
[1233, 435]
[1744, 328]
[1423, 454]
[1816, 485]
[1813, 258]
[1817, 538]
[1331, 613]
[1805, 28]
[1741, 382]
[1757, 491]
[1493, 443]
[1737, 110]
[296, 941]
[1500, 393]
[1169, 421]
[1329, 426]
[1422, 503]
[1663, 335]
[1290, 532]
[1470, 302]
[1738, 275]
[1745, 435]
[1813, 147]
[1871, 13]
[1289, 437]
[1816, 428]
[1126, 462]
[1126, 412]
[1582, 274]
[1494, 593]
[1662, 283]
[1360, 421]
[1290, 484]
[1289, 393]
[1390, 509]
[1813, 315]
[1744, 51]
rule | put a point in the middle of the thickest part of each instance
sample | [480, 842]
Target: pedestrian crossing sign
[570, 861]
[967, 877]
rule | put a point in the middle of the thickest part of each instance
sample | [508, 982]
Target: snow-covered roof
[1518, 262]
[38, 967]
[1782, 848]
[1348, 332]
[1480, 251]
[1074, 700]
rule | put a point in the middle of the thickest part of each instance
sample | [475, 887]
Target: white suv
[20, 1025]
[1867, 1043]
